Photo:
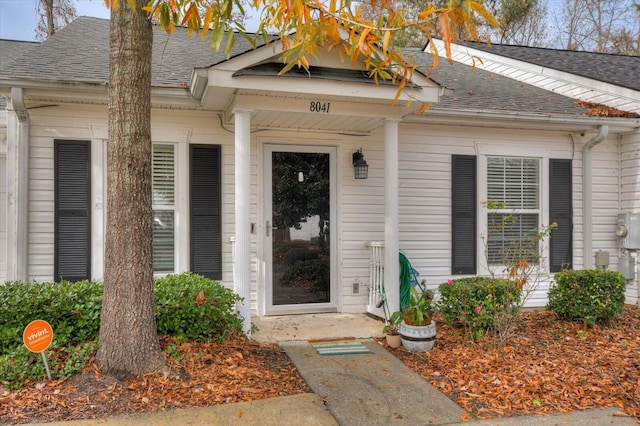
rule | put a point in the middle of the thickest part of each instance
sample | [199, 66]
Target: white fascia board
[317, 87]
[268, 52]
[494, 63]
[338, 108]
[52, 85]
[76, 92]
[492, 119]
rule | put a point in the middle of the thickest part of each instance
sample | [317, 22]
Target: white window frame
[486, 151]
[173, 208]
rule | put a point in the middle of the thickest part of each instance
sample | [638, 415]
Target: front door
[299, 229]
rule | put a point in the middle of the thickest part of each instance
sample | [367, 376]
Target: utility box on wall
[628, 229]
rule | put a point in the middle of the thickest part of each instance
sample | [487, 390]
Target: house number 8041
[323, 107]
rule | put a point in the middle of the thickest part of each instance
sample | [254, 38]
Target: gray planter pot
[418, 338]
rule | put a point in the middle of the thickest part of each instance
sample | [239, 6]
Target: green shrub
[190, 306]
[478, 303]
[588, 295]
[312, 271]
[72, 309]
[20, 366]
[297, 254]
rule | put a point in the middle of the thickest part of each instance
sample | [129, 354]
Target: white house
[253, 179]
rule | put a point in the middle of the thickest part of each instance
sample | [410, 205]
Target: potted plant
[391, 330]
[418, 329]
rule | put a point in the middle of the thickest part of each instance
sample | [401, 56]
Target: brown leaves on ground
[202, 374]
[549, 366]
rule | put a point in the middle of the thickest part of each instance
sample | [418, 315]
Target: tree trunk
[48, 10]
[128, 335]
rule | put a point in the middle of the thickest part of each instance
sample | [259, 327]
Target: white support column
[17, 186]
[391, 216]
[242, 273]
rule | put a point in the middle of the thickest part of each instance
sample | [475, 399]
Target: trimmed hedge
[72, 309]
[587, 295]
[188, 306]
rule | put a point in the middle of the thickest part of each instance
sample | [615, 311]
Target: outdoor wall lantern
[360, 166]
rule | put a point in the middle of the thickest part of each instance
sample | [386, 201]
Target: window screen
[513, 191]
[163, 186]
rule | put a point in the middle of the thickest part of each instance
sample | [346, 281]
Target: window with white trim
[164, 206]
[528, 188]
[513, 197]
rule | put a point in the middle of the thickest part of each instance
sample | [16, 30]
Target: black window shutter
[206, 227]
[560, 212]
[463, 214]
[72, 241]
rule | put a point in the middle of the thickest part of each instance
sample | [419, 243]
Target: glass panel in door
[301, 249]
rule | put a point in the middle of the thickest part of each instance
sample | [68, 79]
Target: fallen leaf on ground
[545, 369]
[254, 371]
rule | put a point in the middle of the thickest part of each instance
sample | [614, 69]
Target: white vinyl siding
[630, 197]
[163, 190]
[513, 185]
[424, 193]
[3, 219]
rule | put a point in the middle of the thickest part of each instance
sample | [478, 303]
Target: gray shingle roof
[11, 49]
[80, 52]
[620, 70]
[481, 90]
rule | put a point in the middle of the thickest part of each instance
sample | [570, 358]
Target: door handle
[268, 228]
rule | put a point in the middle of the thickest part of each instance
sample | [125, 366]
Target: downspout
[587, 196]
[17, 186]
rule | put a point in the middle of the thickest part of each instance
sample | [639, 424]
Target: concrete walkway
[305, 409]
[371, 389]
[366, 389]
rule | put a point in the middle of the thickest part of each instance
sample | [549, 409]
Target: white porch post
[391, 221]
[242, 273]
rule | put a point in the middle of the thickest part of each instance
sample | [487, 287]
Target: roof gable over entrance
[332, 95]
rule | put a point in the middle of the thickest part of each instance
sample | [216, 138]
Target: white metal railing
[376, 278]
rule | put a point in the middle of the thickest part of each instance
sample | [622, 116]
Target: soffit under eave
[219, 95]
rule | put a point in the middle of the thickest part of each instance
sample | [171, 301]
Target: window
[517, 187]
[163, 186]
[513, 197]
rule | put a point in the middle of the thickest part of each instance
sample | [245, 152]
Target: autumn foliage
[549, 366]
[202, 374]
[304, 27]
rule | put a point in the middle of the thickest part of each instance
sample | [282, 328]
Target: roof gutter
[587, 195]
[451, 116]
[17, 186]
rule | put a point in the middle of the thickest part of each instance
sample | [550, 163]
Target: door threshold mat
[339, 347]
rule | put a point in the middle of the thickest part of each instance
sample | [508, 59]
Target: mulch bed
[205, 374]
[550, 366]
